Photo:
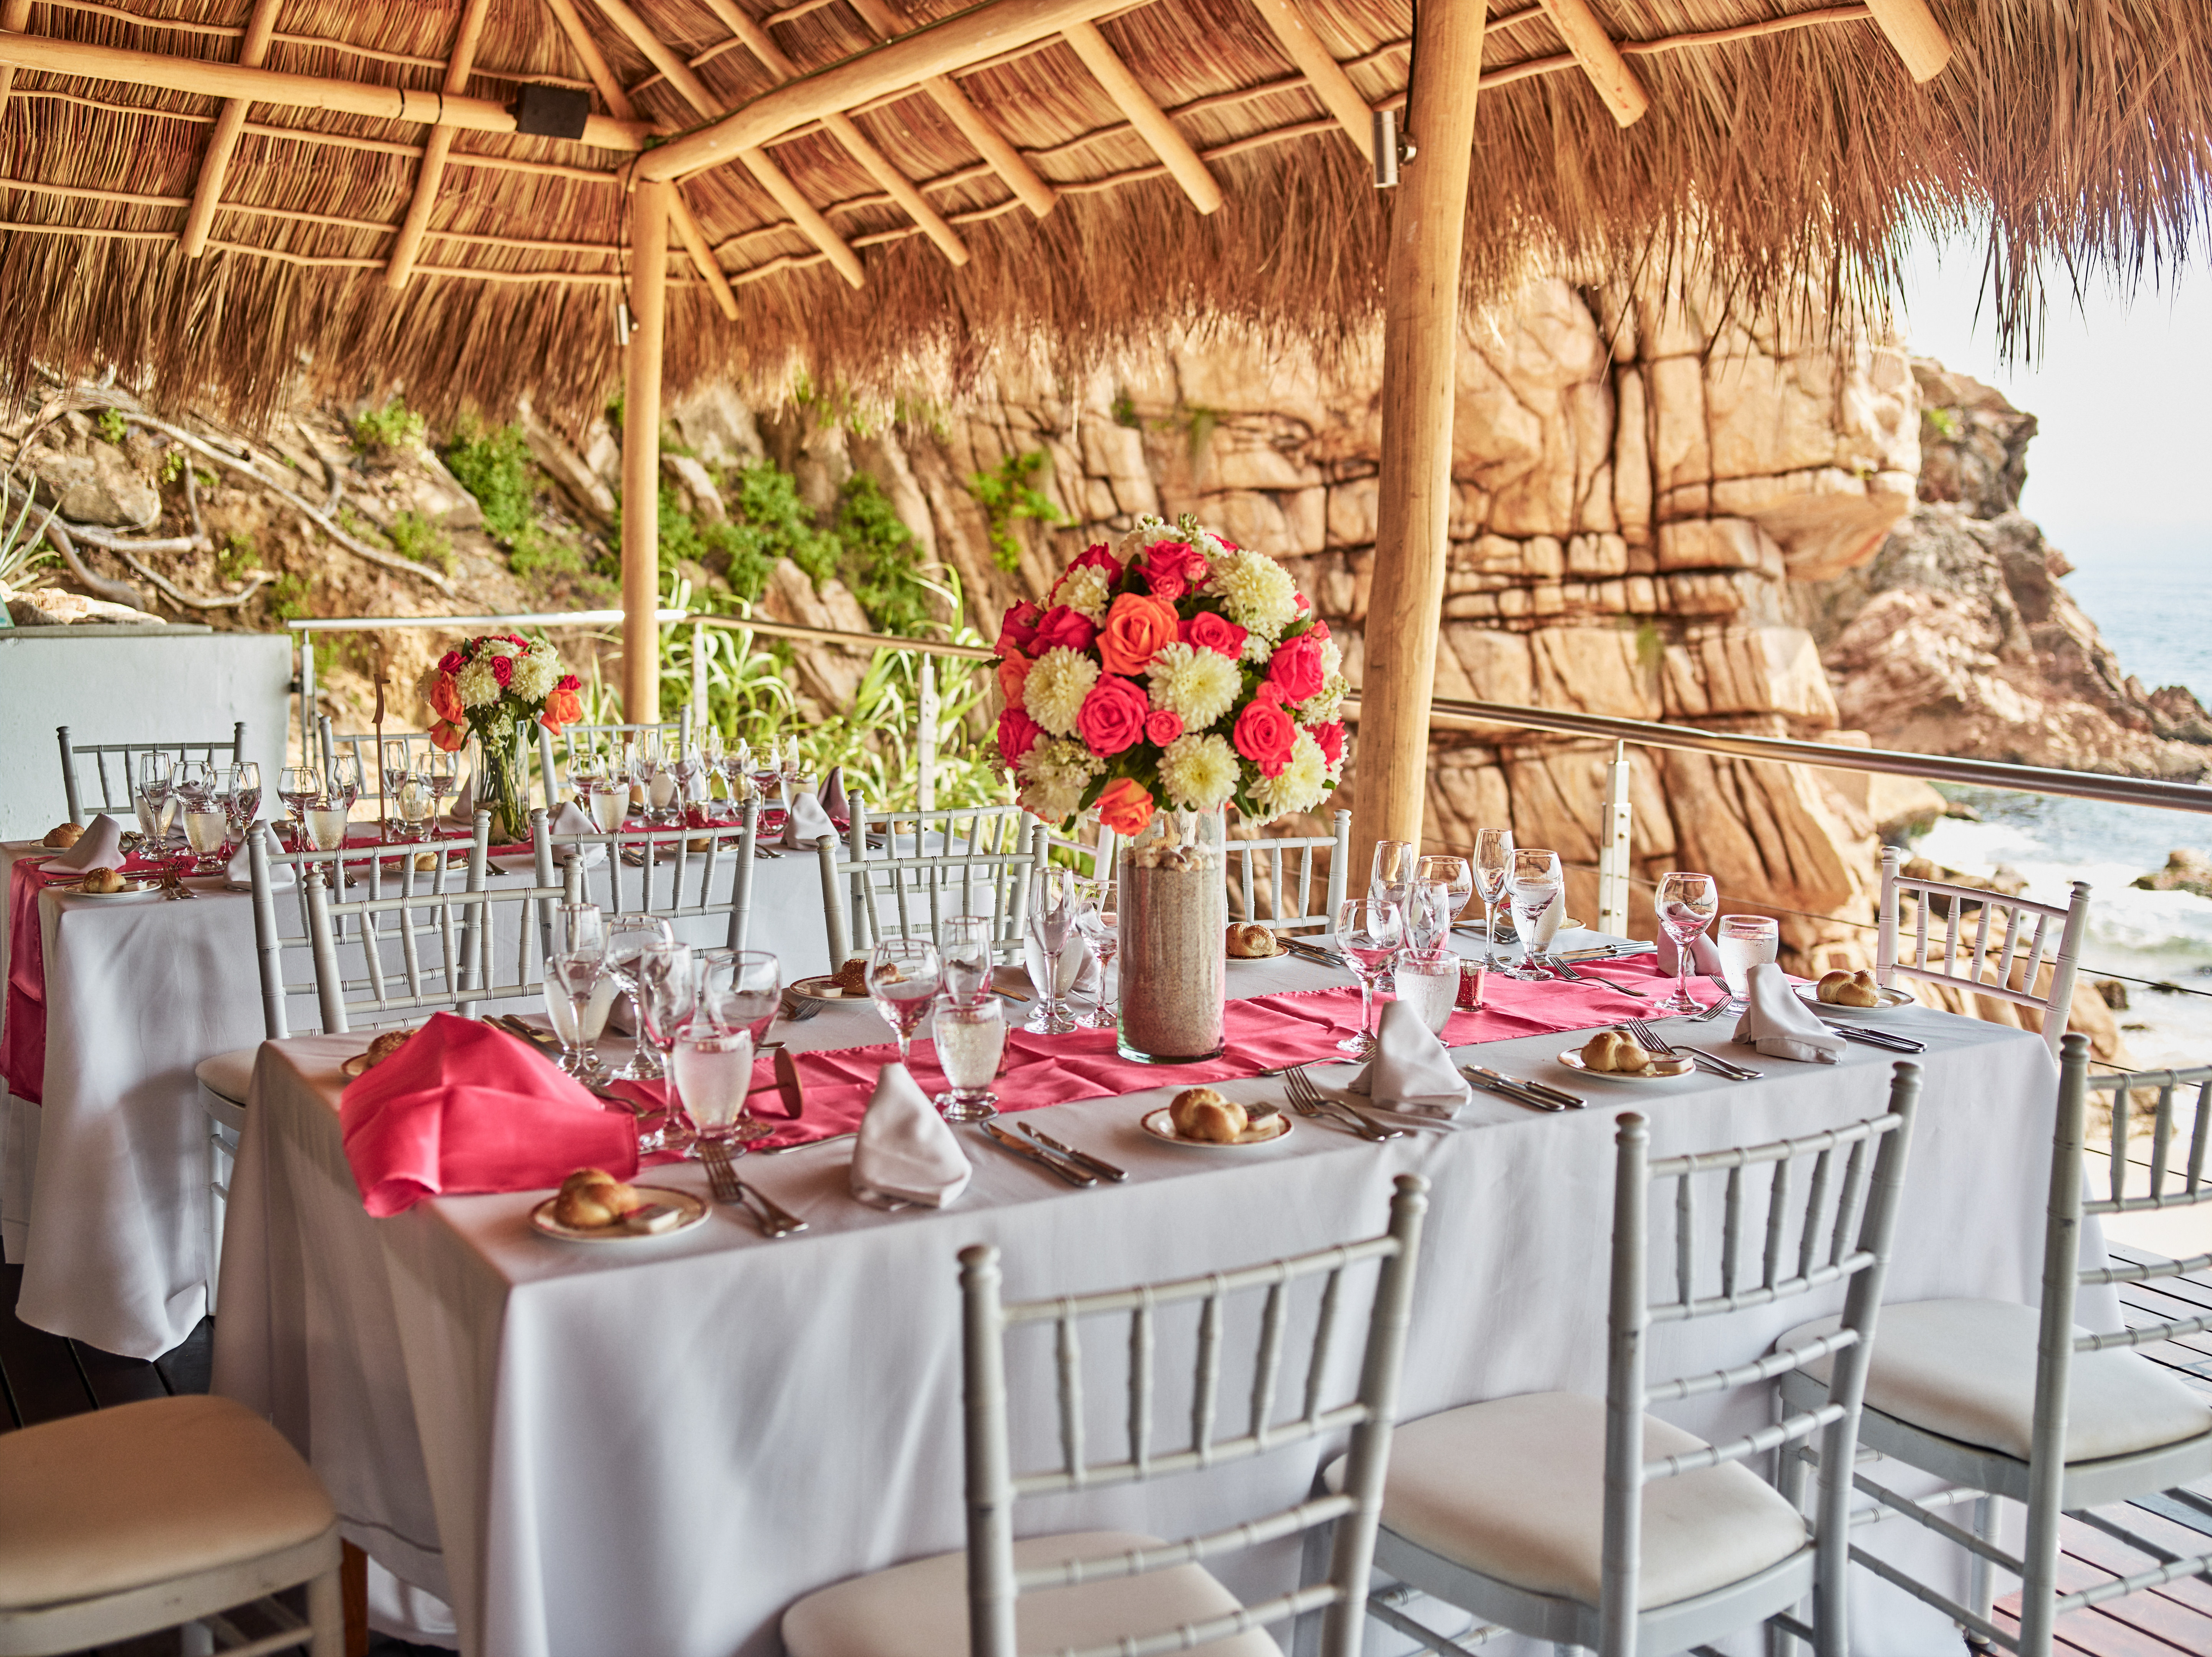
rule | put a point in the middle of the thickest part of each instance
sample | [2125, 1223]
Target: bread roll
[63, 835]
[383, 1048]
[851, 978]
[1614, 1052]
[103, 880]
[1842, 989]
[592, 1200]
[1252, 942]
[1202, 1113]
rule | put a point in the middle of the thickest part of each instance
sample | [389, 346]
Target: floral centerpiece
[1163, 679]
[494, 688]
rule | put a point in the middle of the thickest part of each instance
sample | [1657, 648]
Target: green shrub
[237, 558]
[288, 599]
[882, 559]
[113, 426]
[394, 428]
[495, 467]
[1006, 497]
[423, 540]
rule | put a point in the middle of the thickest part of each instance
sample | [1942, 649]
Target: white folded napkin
[806, 824]
[99, 846]
[1078, 971]
[906, 1154]
[239, 871]
[1410, 1072]
[1547, 924]
[1704, 955]
[1781, 1026]
[833, 794]
[573, 819]
[464, 809]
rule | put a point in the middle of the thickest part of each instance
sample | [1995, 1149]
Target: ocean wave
[2163, 924]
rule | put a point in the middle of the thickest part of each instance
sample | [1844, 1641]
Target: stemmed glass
[416, 805]
[154, 794]
[1100, 925]
[345, 781]
[904, 975]
[667, 993]
[971, 1038]
[1053, 907]
[246, 794]
[1368, 932]
[711, 1069]
[1533, 884]
[652, 773]
[578, 989]
[964, 946]
[299, 787]
[1442, 886]
[394, 762]
[1391, 880]
[1686, 904]
[1494, 862]
[442, 771]
[629, 936]
[195, 782]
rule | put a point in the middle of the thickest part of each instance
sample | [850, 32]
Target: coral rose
[1136, 627]
[1125, 807]
[1017, 629]
[1266, 734]
[1175, 567]
[1013, 674]
[562, 708]
[1296, 668]
[449, 738]
[1018, 734]
[1063, 628]
[445, 698]
[1330, 738]
[1098, 557]
[1207, 631]
[1112, 716]
[1162, 726]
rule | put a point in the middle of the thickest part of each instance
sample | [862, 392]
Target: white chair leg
[218, 1184]
[196, 1639]
[1981, 1586]
[1790, 1479]
[326, 1616]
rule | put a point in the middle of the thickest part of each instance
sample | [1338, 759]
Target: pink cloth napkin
[23, 1031]
[462, 1108]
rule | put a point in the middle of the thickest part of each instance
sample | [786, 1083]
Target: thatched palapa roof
[229, 193]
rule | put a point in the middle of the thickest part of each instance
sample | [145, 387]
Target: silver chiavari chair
[2009, 974]
[1530, 1512]
[588, 740]
[1157, 1597]
[363, 746]
[1279, 898]
[973, 859]
[119, 761]
[2002, 1400]
[677, 874]
[1092, 859]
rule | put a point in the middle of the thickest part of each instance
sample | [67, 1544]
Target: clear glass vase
[502, 786]
[1173, 916]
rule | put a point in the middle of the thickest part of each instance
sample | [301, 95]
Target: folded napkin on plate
[906, 1153]
[1411, 1072]
[463, 1107]
[1781, 1026]
[833, 795]
[573, 819]
[1704, 955]
[463, 810]
[239, 871]
[99, 846]
[1078, 971]
[805, 824]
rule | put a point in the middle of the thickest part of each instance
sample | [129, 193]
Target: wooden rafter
[14, 18]
[1617, 86]
[1914, 32]
[1294, 33]
[1150, 121]
[432, 171]
[229, 125]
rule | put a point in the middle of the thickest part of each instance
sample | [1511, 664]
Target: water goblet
[1686, 903]
[1494, 862]
[1368, 933]
[416, 805]
[964, 946]
[579, 991]
[971, 1038]
[1458, 876]
[1390, 878]
[1428, 981]
[1052, 904]
[346, 780]
[326, 825]
[1533, 885]
[904, 975]
[1428, 913]
[1744, 942]
[740, 989]
[299, 786]
[1100, 925]
[207, 831]
[629, 936]
[155, 800]
[195, 781]
[710, 1073]
[667, 994]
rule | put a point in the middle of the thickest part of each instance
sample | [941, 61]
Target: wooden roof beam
[1152, 124]
[431, 171]
[1010, 163]
[263, 86]
[229, 126]
[1309, 54]
[14, 17]
[770, 176]
[693, 236]
[1617, 86]
[1913, 31]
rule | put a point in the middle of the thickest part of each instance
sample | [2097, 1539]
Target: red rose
[1175, 567]
[1018, 734]
[1098, 558]
[569, 682]
[1112, 716]
[1207, 631]
[1330, 738]
[517, 641]
[1296, 668]
[1300, 603]
[1063, 628]
[1266, 734]
[452, 662]
[1163, 726]
[1018, 630]
[1125, 807]
[502, 669]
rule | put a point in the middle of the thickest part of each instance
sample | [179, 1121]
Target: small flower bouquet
[1170, 671]
[494, 688]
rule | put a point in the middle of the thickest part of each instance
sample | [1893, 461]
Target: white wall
[130, 684]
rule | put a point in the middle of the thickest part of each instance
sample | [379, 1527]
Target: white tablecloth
[103, 1187]
[656, 1450]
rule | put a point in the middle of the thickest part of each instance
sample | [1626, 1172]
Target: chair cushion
[921, 1609]
[228, 1075]
[1514, 1489]
[117, 1499]
[1965, 1369]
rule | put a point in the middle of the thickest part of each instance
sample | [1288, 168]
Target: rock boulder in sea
[2186, 871]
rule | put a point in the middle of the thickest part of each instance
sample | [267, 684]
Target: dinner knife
[1103, 1169]
[1727, 1067]
[1043, 1159]
[1564, 1099]
[1878, 1038]
[1491, 1083]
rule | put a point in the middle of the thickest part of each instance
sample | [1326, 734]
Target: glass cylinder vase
[1174, 921]
[501, 786]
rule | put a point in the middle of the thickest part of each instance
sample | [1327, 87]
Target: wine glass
[1369, 933]
[667, 993]
[1686, 904]
[395, 766]
[629, 936]
[1101, 927]
[904, 975]
[964, 946]
[246, 792]
[155, 800]
[1390, 879]
[442, 771]
[971, 1038]
[652, 772]
[299, 786]
[1494, 862]
[1052, 920]
[1744, 942]
[1533, 885]
[740, 989]
[195, 781]
[345, 781]
[1458, 882]
[578, 990]
[416, 805]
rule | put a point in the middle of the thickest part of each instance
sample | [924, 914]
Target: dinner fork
[1652, 1041]
[722, 1179]
[797, 1009]
[1308, 1100]
[1565, 970]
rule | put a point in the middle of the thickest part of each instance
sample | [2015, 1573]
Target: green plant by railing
[1005, 496]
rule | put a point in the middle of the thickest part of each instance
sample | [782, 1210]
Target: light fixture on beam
[1391, 151]
[543, 112]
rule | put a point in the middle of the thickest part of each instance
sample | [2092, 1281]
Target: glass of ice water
[1744, 942]
[1429, 980]
[971, 1035]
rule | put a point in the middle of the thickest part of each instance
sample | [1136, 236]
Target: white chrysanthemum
[1322, 706]
[1053, 776]
[1257, 592]
[1201, 685]
[1085, 591]
[1299, 786]
[1332, 657]
[1058, 682]
[535, 676]
[477, 684]
[1200, 773]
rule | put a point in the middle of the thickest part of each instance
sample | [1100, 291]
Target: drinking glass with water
[1744, 942]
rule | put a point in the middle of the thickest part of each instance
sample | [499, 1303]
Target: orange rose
[449, 736]
[1136, 627]
[562, 708]
[1013, 674]
[445, 698]
[1125, 807]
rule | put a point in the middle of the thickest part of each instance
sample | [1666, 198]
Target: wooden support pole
[1294, 33]
[14, 17]
[1420, 359]
[640, 458]
[229, 125]
[1618, 85]
[1913, 31]
[1150, 121]
[432, 172]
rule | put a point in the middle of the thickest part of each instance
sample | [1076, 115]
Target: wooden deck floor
[43, 1377]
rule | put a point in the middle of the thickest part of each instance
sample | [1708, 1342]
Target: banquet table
[104, 1196]
[656, 1447]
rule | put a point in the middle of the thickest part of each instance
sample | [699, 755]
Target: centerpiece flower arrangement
[494, 688]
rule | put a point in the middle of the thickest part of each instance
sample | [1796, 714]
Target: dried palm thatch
[1785, 147]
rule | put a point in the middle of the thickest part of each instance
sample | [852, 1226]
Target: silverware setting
[1310, 952]
[1103, 1168]
[1308, 1100]
[797, 1009]
[1536, 1096]
[1876, 1037]
[1652, 1041]
[1721, 1066]
[1560, 966]
[722, 1179]
[1042, 1158]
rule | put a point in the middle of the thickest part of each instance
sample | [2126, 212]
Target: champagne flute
[667, 994]
[1368, 933]
[1686, 903]
[971, 1038]
[1533, 884]
[1100, 925]
[1494, 862]
[1051, 919]
[904, 976]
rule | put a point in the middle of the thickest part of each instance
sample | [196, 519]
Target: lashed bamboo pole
[641, 457]
[1917, 37]
[215, 166]
[1294, 33]
[265, 86]
[804, 214]
[1420, 360]
[1616, 85]
[1150, 120]
[432, 172]
[693, 236]
[14, 17]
